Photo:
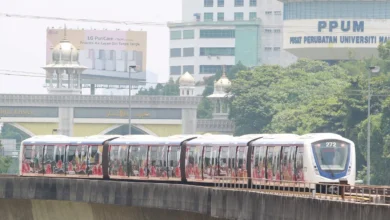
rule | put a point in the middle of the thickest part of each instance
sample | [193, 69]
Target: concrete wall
[141, 197]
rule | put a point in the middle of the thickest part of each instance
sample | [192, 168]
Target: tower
[64, 73]
[187, 84]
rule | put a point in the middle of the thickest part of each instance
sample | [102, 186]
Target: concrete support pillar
[92, 89]
[65, 125]
[188, 121]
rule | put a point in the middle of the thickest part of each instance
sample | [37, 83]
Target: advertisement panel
[106, 53]
[336, 38]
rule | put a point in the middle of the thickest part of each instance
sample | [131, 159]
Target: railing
[95, 99]
[327, 191]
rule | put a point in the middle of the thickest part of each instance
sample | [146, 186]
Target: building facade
[216, 33]
[335, 30]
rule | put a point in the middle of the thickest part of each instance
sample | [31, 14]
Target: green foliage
[169, 89]
[5, 162]
[313, 96]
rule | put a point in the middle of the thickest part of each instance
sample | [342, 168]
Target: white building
[214, 33]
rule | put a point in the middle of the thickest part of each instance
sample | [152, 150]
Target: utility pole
[130, 87]
[373, 69]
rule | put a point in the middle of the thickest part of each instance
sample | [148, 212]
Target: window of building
[175, 70]
[188, 52]
[253, 3]
[208, 16]
[276, 48]
[188, 34]
[176, 52]
[208, 3]
[277, 13]
[238, 16]
[188, 68]
[238, 3]
[221, 16]
[210, 33]
[111, 55]
[101, 55]
[212, 69]
[175, 35]
[252, 15]
[268, 12]
[216, 51]
[221, 3]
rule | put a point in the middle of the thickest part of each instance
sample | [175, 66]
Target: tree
[5, 162]
[169, 89]
[205, 108]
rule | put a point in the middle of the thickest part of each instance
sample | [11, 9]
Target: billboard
[335, 39]
[106, 53]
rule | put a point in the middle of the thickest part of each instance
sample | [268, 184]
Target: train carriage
[144, 157]
[316, 158]
[62, 156]
[258, 159]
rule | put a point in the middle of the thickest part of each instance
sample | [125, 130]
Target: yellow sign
[122, 114]
[15, 112]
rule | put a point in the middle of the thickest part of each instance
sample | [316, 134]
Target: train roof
[47, 139]
[152, 140]
[93, 140]
[217, 139]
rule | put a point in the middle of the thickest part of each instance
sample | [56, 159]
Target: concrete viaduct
[49, 198]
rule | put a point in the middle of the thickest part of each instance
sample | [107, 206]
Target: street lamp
[373, 69]
[131, 67]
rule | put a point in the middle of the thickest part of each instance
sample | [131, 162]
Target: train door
[209, 162]
[117, 165]
[138, 161]
[242, 162]
[259, 165]
[158, 162]
[76, 160]
[53, 158]
[174, 162]
[270, 162]
[95, 169]
[193, 165]
[276, 163]
[32, 160]
[223, 164]
[299, 172]
[232, 161]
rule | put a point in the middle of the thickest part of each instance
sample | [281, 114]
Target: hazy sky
[23, 41]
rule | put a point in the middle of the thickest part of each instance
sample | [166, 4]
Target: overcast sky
[23, 41]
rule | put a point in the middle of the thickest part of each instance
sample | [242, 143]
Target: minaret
[64, 73]
[220, 97]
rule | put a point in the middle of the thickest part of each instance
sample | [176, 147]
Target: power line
[83, 20]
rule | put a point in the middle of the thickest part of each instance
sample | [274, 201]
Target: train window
[223, 161]
[174, 161]
[95, 160]
[158, 161]
[138, 160]
[256, 162]
[33, 156]
[286, 166]
[241, 161]
[259, 162]
[194, 162]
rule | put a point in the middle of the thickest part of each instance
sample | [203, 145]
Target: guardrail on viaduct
[208, 201]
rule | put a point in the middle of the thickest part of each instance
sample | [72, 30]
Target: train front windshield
[331, 155]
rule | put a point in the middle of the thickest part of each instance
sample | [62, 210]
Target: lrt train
[192, 159]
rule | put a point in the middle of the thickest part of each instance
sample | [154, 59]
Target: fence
[328, 191]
